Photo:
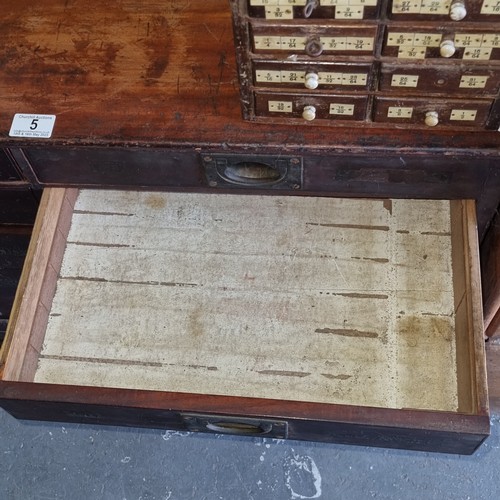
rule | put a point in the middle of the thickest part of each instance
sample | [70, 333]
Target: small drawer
[285, 10]
[432, 113]
[341, 320]
[310, 108]
[467, 44]
[311, 76]
[439, 79]
[313, 41]
[444, 10]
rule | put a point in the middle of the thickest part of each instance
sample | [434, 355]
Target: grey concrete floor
[60, 461]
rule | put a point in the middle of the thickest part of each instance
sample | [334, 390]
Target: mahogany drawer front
[472, 45]
[433, 113]
[442, 79]
[442, 10]
[311, 107]
[282, 10]
[101, 333]
[313, 42]
[407, 10]
[348, 426]
[311, 76]
[399, 174]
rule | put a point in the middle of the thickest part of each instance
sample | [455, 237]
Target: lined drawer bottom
[253, 315]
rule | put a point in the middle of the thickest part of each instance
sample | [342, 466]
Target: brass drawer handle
[253, 171]
[239, 428]
[235, 425]
[249, 172]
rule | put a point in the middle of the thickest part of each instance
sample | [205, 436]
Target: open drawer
[341, 320]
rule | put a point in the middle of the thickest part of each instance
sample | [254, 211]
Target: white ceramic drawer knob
[431, 118]
[447, 48]
[312, 81]
[309, 113]
[458, 10]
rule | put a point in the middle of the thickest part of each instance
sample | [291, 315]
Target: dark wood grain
[409, 429]
[154, 73]
[138, 97]
[403, 174]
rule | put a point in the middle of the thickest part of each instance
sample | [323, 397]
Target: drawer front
[311, 76]
[432, 113]
[116, 407]
[471, 45]
[444, 10]
[407, 10]
[442, 79]
[311, 107]
[283, 10]
[314, 41]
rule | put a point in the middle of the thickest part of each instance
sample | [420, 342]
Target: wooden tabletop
[152, 73]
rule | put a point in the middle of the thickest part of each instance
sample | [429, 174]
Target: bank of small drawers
[382, 61]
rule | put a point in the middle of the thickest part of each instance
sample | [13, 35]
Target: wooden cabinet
[166, 97]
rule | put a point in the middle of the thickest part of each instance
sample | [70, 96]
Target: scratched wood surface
[312, 299]
[144, 72]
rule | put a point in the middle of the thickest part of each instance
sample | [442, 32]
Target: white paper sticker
[342, 109]
[36, 126]
[463, 114]
[404, 81]
[280, 106]
[473, 82]
[399, 112]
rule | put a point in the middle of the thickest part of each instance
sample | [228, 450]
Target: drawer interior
[350, 301]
